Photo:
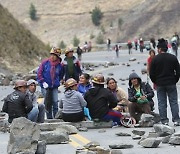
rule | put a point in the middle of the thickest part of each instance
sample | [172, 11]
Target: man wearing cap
[165, 73]
[101, 101]
[38, 111]
[49, 75]
[17, 104]
[71, 66]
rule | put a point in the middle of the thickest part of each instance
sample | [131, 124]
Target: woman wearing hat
[72, 102]
[49, 75]
[71, 66]
[17, 104]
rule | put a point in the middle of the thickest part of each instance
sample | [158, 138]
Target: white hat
[31, 81]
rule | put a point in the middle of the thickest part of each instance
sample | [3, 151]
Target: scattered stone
[100, 150]
[132, 59]
[138, 132]
[166, 139]
[128, 64]
[145, 64]
[83, 129]
[177, 133]
[24, 136]
[138, 62]
[136, 137]
[41, 147]
[91, 144]
[174, 140]
[102, 131]
[69, 129]
[54, 137]
[85, 152]
[146, 120]
[123, 84]
[144, 71]
[123, 134]
[150, 142]
[123, 64]
[153, 135]
[110, 74]
[163, 130]
[121, 146]
[156, 117]
[142, 138]
[116, 151]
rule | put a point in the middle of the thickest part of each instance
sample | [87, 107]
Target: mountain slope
[19, 49]
[63, 19]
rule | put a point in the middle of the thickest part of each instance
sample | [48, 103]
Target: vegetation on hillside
[19, 49]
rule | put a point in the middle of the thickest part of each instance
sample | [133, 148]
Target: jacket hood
[134, 76]
[69, 93]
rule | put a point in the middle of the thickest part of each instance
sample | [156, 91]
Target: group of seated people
[89, 98]
[105, 103]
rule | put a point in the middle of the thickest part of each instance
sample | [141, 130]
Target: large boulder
[24, 136]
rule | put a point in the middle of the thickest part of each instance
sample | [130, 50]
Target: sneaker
[176, 123]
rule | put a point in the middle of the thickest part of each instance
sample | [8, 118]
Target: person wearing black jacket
[101, 101]
[140, 95]
[165, 73]
[17, 104]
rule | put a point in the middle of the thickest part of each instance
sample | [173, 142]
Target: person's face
[22, 89]
[134, 82]
[82, 79]
[74, 87]
[112, 85]
[32, 87]
[70, 54]
[54, 57]
[152, 54]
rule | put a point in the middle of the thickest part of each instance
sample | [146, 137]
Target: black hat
[162, 43]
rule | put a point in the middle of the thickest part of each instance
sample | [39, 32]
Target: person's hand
[45, 85]
[143, 97]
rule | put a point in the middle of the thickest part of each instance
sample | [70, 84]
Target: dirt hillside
[20, 50]
[63, 19]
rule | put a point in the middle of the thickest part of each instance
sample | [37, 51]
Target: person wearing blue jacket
[49, 75]
[83, 86]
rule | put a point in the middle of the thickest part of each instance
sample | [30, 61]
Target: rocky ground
[102, 138]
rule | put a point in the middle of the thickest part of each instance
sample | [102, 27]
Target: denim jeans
[37, 113]
[171, 92]
[33, 114]
[54, 109]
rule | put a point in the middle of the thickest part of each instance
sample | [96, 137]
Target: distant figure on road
[141, 45]
[120, 94]
[101, 101]
[153, 44]
[136, 43]
[79, 52]
[116, 48]
[108, 42]
[165, 73]
[72, 102]
[17, 104]
[129, 45]
[152, 54]
[140, 95]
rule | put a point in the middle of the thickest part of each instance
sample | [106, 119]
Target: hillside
[20, 51]
[63, 19]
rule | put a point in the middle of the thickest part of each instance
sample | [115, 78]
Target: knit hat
[162, 43]
[29, 82]
[134, 76]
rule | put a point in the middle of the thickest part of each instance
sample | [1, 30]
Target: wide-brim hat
[56, 51]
